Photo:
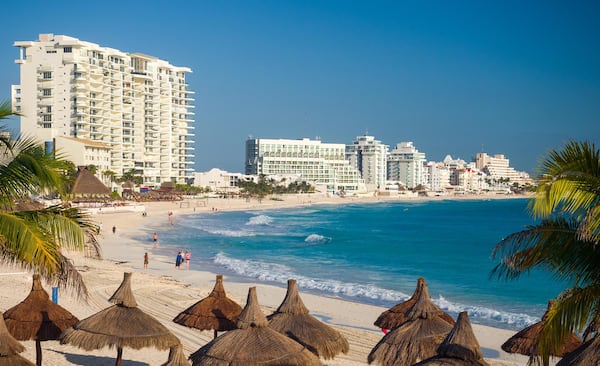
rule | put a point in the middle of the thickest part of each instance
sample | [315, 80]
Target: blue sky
[454, 77]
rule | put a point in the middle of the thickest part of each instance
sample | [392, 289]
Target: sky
[510, 77]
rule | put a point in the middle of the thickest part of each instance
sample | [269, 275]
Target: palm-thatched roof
[87, 184]
[293, 319]
[525, 341]
[38, 318]
[254, 343]
[10, 348]
[417, 338]
[588, 354]
[176, 357]
[121, 325]
[398, 314]
[216, 311]
[459, 348]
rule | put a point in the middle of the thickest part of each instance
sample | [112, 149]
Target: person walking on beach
[178, 260]
[146, 260]
[188, 255]
[114, 229]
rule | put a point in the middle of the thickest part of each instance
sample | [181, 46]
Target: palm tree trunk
[215, 333]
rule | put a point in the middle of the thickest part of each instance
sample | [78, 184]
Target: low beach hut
[10, 348]
[525, 342]
[417, 338]
[38, 318]
[121, 325]
[253, 343]
[398, 314]
[292, 318]
[216, 311]
[88, 188]
[459, 348]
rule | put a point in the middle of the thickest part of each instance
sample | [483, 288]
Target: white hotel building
[321, 164]
[405, 165]
[369, 156]
[134, 109]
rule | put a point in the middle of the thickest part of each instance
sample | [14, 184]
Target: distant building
[218, 180]
[405, 164]
[84, 152]
[369, 157]
[498, 168]
[137, 105]
[436, 176]
[320, 164]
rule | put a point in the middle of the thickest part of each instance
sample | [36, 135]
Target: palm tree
[565, 241]
[32, 238]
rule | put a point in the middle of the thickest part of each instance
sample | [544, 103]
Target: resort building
[405, 165]
[498, 168]
[436, 176]
[320, 164]
[369, 157]
[137, 105]
[218, 180]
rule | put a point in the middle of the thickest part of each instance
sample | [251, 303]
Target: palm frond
[571, 313]
[554, 245]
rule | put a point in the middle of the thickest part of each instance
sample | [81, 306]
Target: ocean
[374, 253]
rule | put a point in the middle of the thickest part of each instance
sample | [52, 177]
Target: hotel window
[47, 75]
[47, 92]
[18, 91]
[67, 49]
[49, 109]
[18, 99]
[47, 118]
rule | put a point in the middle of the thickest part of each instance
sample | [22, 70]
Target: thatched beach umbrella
[459, 348]
[216, 311]
[254, 343]
[38, 318]
[417, 338]
[398, 314]
[121, 325]
[292, 319]
[176, 357]
[525, 341]
[588, 354]
[10, 348]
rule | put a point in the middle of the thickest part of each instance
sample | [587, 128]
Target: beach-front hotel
[322, 164]
[98, 105]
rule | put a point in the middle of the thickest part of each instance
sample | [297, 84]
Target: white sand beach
[164, 292]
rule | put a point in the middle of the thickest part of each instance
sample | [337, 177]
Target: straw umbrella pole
[398, 314]
[525, 341]
[254, 343]
[121, 325]
[459, 348]
[292, 318]
[588, 354]
[38, 318]
[416, 339]
[216, 311]
[10, 348]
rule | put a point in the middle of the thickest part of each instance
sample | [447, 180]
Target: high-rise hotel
[98, 105]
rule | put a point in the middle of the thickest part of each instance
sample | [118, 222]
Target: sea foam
[260, 220]
[278, 273]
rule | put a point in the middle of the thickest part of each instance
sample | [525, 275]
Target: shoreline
[163, 291]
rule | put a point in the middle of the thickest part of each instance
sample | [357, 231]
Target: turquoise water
[374, 253]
